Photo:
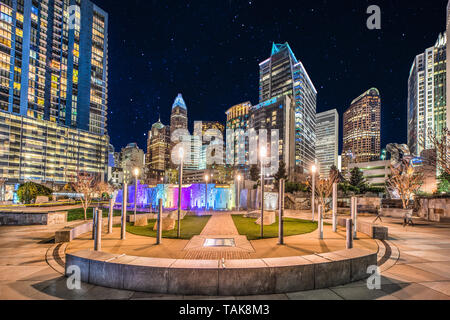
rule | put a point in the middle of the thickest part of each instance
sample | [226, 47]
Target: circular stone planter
[222, 278]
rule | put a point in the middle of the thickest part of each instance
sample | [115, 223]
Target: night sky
[210, 52]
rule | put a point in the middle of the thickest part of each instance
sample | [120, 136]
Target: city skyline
[224, 69]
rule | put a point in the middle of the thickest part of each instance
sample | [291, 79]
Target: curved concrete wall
[214, 278]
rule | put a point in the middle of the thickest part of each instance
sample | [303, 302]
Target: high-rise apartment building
[362, 129]
[327, 144]
[447, 87]
[428, 112]
[54, 58]
[53, 83]
[280, 75]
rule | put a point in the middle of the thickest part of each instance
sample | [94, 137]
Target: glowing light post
[206, 192]
[313, 200]
[180, 171]
[124, 211]
[262, 156]
[136, 173]
[238, 192]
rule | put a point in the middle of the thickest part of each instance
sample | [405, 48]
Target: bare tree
[440, 144]
[87, 185]
[324, 188]
[406, 181]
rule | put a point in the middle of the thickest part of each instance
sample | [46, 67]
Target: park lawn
[190, 226]
[78, 214]
[248, 227]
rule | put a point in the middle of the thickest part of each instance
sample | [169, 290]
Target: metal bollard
[335, 206]
[349, 237]
[123, 230]
[94, 219]
[98, 233]
[111, 216]
[320, 222]
[159, 221]
[355, 220]
[281, 212]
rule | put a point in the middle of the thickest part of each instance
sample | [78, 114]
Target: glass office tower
[282, 74]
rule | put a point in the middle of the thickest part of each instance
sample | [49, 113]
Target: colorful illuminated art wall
[192, 196]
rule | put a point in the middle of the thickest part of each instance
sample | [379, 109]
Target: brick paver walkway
[220, 224]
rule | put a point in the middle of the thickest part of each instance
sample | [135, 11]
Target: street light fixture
[313, 200]
[181, 154]
[263, 153]
[136, 174]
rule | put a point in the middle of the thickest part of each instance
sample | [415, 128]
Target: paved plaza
[415, 261]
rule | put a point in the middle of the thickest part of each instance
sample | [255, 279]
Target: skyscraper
[178, 118]
[158, 147]
[448, 64]
[53, 90]
[327, 144]
[282, 74]
[238, 120]
[428, 111]
[276, 114]
[362, 129]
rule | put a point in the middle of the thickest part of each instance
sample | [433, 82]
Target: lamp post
[313, 200]
[180, 171]
[206, 192]
[262, 156]
[239, 177]
[136, 173]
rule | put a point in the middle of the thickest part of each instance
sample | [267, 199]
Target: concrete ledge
[32, 218]
[69, 233]
[374, 231]
[223, 278]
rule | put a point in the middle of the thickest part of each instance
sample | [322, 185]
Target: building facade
[428, 112]
[158, 147]
[375, 173]
[53, 82]
[275, 114]
[238, 125]
[280, 75]
[327, 145]
[131, 157]
[45, 152]
[54, 62]
[362, 129]
[178, 118]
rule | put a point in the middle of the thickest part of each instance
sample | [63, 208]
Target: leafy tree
[292, 187]
[281, 174]
[356, 177]
[29, 191]
[254, 173]
[444, 183]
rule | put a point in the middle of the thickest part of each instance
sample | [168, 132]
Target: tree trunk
[85, 213]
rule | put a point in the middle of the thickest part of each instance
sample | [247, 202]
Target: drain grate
[219, 243]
